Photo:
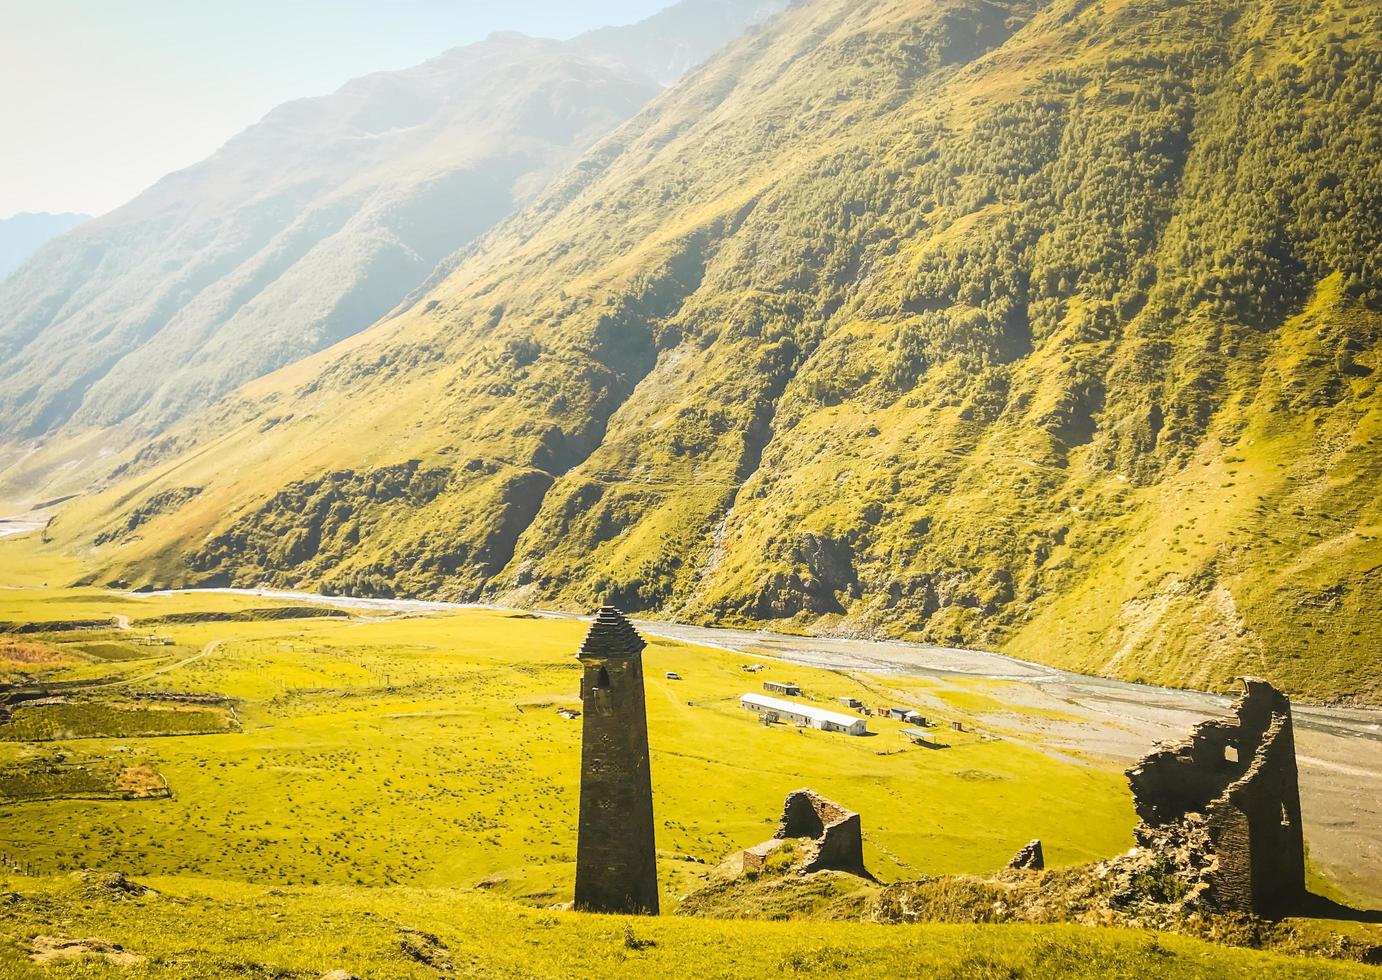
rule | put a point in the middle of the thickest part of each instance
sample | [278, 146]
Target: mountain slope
[23, 235]
[311, 225]
[1034, 323]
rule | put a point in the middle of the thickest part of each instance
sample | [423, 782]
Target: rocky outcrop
[163, 502]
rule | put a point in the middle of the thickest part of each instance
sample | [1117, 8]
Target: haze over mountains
[673, 41]
[314, 223]
[25, 233]
[1033, 324]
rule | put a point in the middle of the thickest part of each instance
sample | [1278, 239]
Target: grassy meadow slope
[396, 797]
[1051, 326]
[196, 929]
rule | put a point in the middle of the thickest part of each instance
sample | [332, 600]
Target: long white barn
[805, 715]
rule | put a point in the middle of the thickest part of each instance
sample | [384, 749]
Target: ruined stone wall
[836, 834]
[616, 856]
[1030, 858]
[1256, 829]
[1233, 787]
[1188, 776]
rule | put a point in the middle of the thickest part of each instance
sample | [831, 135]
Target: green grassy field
[436, 742]
[190, 929]
[83, 719]
[393, 772]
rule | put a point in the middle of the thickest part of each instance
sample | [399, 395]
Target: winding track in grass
[205, 652]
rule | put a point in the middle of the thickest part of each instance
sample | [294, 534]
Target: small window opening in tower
[1230, 753]
[602, 679]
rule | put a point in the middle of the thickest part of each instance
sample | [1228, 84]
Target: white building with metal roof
[804, 715]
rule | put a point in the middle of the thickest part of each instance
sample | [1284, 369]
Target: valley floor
[1339, 749]
[306, 787]
[1068, 716]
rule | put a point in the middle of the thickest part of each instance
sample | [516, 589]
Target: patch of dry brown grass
[25, 655]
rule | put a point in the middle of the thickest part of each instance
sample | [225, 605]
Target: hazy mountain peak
[515, 37]
[673, 41]
[312, 224]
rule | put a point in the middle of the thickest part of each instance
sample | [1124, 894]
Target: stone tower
[616, 861]
[1228, 796]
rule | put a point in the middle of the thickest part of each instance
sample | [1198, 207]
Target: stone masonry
[616, 858]
[836, 835]
[1030, 858]
[1226, 802]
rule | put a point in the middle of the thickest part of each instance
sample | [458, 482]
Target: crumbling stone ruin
[827, 837]
[1030, 858]
[836, 835]
[814, 860]
[616, 858]
[1220, 855]
[1225, 804]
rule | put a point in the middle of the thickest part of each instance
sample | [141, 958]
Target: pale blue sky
[100, 98]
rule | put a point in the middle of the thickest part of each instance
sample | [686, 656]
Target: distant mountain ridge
[25, 233]
[312, 224]
[680, 35]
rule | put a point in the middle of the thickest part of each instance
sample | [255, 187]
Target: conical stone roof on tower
[611, 635]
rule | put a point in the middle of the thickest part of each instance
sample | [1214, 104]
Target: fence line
[16, 865]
